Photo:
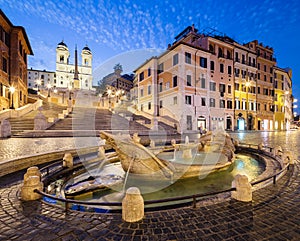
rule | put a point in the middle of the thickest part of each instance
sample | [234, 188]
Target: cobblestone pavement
[272, 215]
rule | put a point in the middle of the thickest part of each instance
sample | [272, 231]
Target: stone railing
[10, 113]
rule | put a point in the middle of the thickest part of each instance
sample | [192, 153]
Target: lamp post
[12, 91]
[109, 91]
[49, 87]
[70, 87]
[247, 103]
[117, 94]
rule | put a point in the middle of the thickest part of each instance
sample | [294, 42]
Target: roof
[62, 44]
[18, 27]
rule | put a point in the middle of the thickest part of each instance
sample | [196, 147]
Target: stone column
[32, 181]
[68, 160]
[5, 129]
[133, 205]
[243, 188]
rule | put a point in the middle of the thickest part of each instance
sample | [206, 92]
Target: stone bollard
[260, 146]
[32, 171]
[243, 188]
[32, 181]
[278, 151]
[40, 122]
[133, 205]
[173, 142]
[287, 157]
[5, 129]
[68, 160]
[136, 138]
[152, 144]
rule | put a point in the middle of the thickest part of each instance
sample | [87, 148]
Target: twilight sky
[113, 29]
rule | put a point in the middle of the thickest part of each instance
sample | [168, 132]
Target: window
[237, 57]
[237, 86]
[149, 89]
[61, 59]
[141, 76]
[188, 99]
[142, 92]
[212, 102]
[175, 59]
[189, 80]
[265, 78]
[4, 64]
[258, 76]
[222, 88]
[160, 68]
[229, 69]
[203, 81]
[189, 122]
[142, 107]
[229, 104]
[237, 72]
[266, 91]
[237, 104]
[265, 68]
[175, 100]
[160, 104]
[149, 105]
[174, 81]
[211, 48]
[258, 90]
[258, 66]
[222, 68]
[229, 89]
[212, 65]
[228, 54]
[220, 53]
[203, 101]
[212, 86]
[188, 58]
[160, 87]
[167, 85]
[222, 103]
[149, 72]
[203, 62]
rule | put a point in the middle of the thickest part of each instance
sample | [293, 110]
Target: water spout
[127, 173]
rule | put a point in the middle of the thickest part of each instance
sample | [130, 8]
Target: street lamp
[247, 103]
[109, 91]
[117, 94]
[12, 91]
[49, 87]
[69, 87]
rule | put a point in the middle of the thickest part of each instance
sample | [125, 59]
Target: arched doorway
[241, 124]
[228, 123]
[201, 123]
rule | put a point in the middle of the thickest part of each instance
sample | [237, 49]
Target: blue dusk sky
[114, 30]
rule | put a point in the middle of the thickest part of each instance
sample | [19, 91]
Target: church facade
[73, 76]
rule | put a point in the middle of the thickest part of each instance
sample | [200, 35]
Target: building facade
[40, 79]
[15, 48]
[208, 82]
[73, 76]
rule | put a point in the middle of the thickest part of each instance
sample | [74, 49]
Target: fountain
[212, 152]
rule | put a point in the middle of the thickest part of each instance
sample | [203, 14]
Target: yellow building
[282, 99]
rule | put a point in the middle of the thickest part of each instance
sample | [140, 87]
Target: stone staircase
[26, 122]
[97, 119]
